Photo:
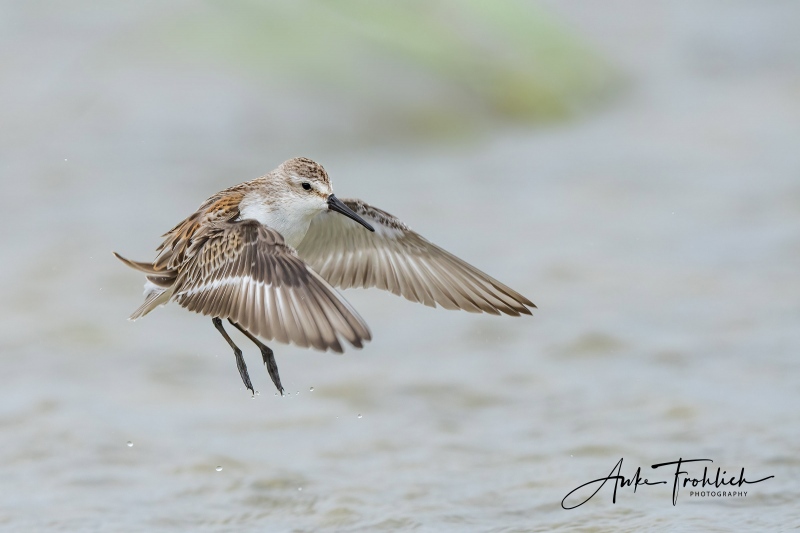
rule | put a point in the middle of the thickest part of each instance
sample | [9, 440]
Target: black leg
[240, 364]
[266, 355]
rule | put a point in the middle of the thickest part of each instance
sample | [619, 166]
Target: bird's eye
[306, 185]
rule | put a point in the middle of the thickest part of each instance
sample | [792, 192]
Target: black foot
[240, 364]
[266, 354]
[272, 367]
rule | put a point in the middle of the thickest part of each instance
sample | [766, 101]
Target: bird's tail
[153, 297]
[147, 268]
[157, 289]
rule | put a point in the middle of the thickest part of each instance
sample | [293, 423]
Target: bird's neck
[292, 224]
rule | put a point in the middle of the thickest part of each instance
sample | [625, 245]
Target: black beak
[337, 205]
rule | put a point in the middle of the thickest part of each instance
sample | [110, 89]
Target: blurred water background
[632, 167]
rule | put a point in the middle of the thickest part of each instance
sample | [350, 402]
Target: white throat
[292, 224]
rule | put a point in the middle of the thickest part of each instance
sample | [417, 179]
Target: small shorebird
[266, 255]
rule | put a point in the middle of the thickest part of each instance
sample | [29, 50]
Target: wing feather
[397, 259]
[245, 272]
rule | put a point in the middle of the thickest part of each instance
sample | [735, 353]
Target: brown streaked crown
[304, 167]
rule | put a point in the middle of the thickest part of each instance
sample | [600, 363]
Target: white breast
[292, 224]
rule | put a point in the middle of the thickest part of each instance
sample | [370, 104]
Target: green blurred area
[441, 67]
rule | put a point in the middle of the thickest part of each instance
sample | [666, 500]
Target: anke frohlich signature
[728, 485]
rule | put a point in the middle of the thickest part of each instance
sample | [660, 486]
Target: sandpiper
[266, 255]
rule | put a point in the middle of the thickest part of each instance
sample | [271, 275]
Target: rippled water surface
[659, 236]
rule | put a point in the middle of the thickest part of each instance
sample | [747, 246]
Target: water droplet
[219, 469]
[296, 393]
[311, 389]
[299, 488]
[130, 444]
[359, 415]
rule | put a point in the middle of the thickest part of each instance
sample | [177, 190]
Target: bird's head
[289, 197]
[306, 189]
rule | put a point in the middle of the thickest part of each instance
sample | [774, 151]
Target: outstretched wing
[398, 259]
[245, 272]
